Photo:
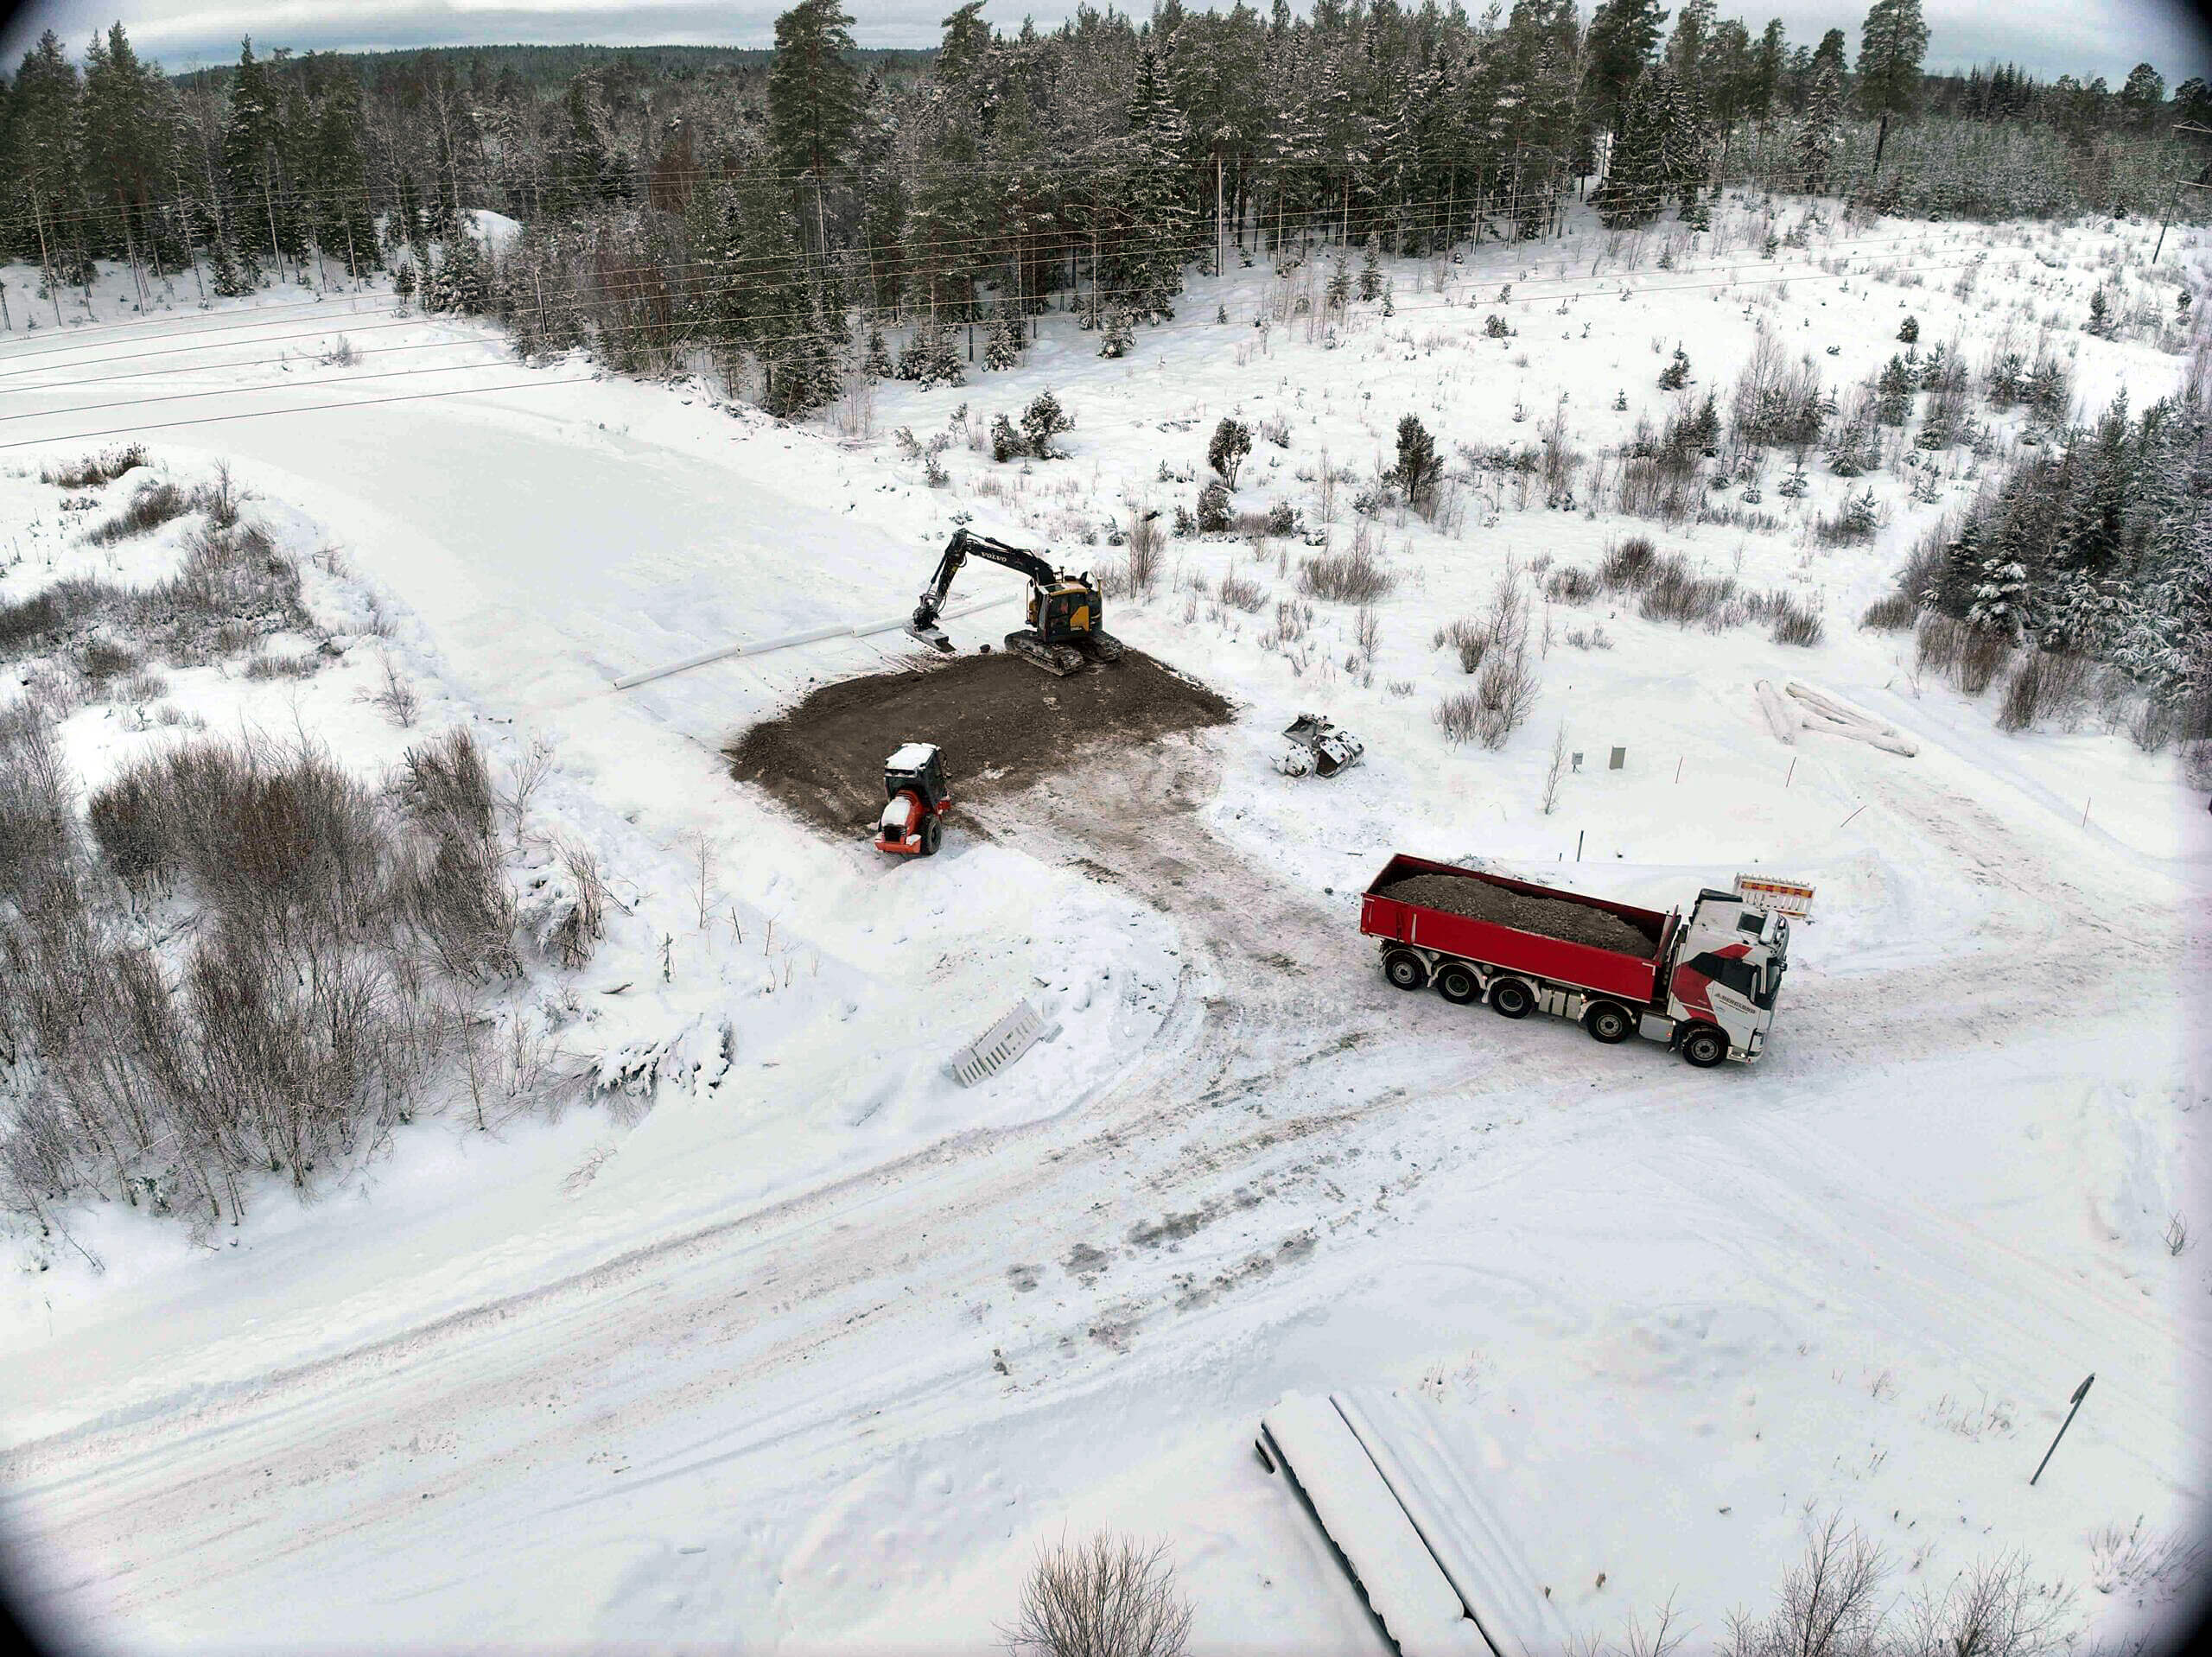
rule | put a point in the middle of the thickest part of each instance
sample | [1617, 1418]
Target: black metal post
[2079, 1392]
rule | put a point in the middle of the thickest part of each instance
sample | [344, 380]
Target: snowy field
[790, 1343]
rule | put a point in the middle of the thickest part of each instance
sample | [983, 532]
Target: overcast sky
[2083, 37]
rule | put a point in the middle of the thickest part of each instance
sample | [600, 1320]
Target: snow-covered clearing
[817, 1350]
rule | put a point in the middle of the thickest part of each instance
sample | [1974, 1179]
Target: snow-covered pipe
[860, 630]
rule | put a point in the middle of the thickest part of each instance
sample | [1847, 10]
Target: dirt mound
[1551, 917]
[1001, 723]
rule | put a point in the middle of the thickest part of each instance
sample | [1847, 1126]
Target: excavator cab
[1065, 612]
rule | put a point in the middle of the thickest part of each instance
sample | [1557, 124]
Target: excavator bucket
[930, 635]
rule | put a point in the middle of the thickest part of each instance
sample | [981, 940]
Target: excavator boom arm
[958, 551]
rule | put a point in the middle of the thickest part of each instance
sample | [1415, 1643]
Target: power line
[1409, 309]
[574, 301]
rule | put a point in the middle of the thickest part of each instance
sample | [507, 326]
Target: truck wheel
[932, 836]
[1704, 1046]
[1607, 1023]
[1458, 986]
[1405, 969]
[1511, 999]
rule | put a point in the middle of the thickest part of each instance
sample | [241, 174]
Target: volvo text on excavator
[1066, 619]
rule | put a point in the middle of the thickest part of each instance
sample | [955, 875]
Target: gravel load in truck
[1552, 917]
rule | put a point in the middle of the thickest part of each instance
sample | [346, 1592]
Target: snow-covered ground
[818, 1349]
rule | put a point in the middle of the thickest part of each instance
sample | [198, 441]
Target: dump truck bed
[1590, 942]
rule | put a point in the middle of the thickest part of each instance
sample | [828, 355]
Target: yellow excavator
[1066, 618]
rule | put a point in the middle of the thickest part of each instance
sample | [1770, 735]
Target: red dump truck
[1704, 983]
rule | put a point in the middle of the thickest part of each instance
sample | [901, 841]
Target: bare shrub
[1505, 692]
[1557, 770]
[395, 698]
[1631, 566]
[95, 470]
[1354, 576]
[1105, 1596]
[1851, 524]
[1146, 540]
[1982, 656]
[1468, 639]
[281, 667]
[100, 661]
[37, 827]
[1677, 595]
[1571, 584]
[26, 621]
[1996, 1609]
[1828, 1606]
[1795, 624]
[1939, 643]
[1240, 591]
[2134, 1560]
[1891, 615]
[156, 503]
[584, 921]
[1458, 716]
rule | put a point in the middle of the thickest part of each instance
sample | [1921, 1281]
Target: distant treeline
[773, 209]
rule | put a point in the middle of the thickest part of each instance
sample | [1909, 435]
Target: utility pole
[46, 261]
[2180, 184]
[1220, 228]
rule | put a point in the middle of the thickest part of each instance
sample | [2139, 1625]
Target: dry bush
[95, 470]
[1467, 639]
[583, 921]
[26, 621]
[2048, 684]
[1355, 576]
[1106, 1597]
[395, 698]
[1997, 1609]
[37, 826]
[2133, 1561]
[1891, 615]
[1793, 623]
[1458, 716]
[1571, 584]
[283, 667]
[1828, 1605]
[156, 503]
[1982, 656]
[1674, 594]
[1241, 592]
[1939, 643]
[1145, 541]
[1630, 567]
[1504, 695]
[100, 661]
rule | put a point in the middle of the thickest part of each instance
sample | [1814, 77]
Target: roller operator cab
[915, 798]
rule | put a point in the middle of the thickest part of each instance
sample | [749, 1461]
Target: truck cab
[1725, 965]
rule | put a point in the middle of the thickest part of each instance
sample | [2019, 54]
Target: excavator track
[1103, 647]
[1058, 660]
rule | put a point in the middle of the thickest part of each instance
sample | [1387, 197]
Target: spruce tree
[813, 94]
[1892, 42]
[1822, 133]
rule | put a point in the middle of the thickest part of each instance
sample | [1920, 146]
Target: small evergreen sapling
[1213, 507]
[877, 362]
[1232, 441]
[1002, 350]
[1118, 337]
[1370, 271]
[1417, 468]
[2099, 322]
[1043, 421]
[1676, 374]
[1909, 333]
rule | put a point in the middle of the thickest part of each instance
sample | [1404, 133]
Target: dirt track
[1002, 724]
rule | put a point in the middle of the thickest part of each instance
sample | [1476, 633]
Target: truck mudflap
[1437, 1567]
